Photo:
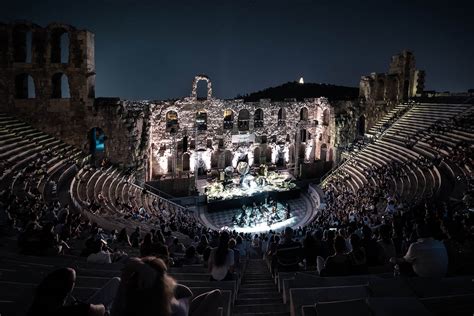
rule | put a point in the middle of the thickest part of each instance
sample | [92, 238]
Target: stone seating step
[261, 308]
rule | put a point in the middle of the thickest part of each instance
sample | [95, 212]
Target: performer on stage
[288, 215]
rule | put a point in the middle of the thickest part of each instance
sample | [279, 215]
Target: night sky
[152, 49]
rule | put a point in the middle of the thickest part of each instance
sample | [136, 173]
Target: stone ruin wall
[166, 146]
[67, 117]
[380, 92]
[135, 131]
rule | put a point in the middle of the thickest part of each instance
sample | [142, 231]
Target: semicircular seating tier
[425, 142]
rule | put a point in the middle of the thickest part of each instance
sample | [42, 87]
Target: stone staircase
[258, 294]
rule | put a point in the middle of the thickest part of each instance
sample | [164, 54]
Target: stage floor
[301, 212]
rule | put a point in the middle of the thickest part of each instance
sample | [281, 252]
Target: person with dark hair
[288, 254]
[146, 247]
[191, 256]
[147, 290]
[50, 245]
[357, 256]
[370, 246]
[386, 245]
[311, 249]
[221, 259]
[202, 245]
[100, 253]
[232, 244]
[427, 256]
[123, 238]
[159, 237]
[338, 264]
[135, 238]
[176, 247]
[52, 293]
[240, 246]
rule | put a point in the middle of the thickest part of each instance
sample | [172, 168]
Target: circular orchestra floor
[300, 213]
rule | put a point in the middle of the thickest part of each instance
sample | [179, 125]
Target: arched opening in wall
[303, 114]
[392, 89]
[361, 125]
[170, 164]
[201, 90]
[172, 122]
[215, 159]
[281, 117]
[291, 154]
[24, 87]
[201, 120]
[256, 156]
[243, 120]
[326, 117]
[258, 118]
[209, 143]
[323, 152]
[227, 158]
[302, 152]
[185, 143]
[380, 90]
[186, 165]
[406, 88]
[268, 155]
[59, 46]
[60, 86]
[22, 39]
[228, 119]
[280, 160]
[330, 157]
[96, 137]
[201, 167]
[303, 135]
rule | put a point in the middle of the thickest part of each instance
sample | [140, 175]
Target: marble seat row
[420, 178]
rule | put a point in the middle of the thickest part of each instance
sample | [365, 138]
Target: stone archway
[197, 79]
[323, 152]
[361, 125]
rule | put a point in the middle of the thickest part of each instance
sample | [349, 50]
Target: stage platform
[222, 205]
[301, 213]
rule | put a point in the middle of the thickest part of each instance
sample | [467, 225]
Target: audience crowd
[367, 231]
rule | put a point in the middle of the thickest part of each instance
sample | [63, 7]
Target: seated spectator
[370, 246]
[232, 244]
[427, 256]
[100, 255]
[338, 264]
[288, 254]
[135, 238]
[176, 247]
[147, 247]
[191, 256]
[240, 246]
[50, 245]
[52, 293]
[29, 240]
[386, 245]
[357, 256]
[221, 260]
[311, 249]
[146, 289]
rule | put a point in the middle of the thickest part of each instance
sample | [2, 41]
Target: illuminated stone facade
[193, 134]
[47, 78]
